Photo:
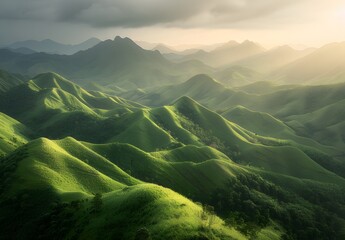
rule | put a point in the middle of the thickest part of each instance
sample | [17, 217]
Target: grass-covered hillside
[291, 104]
[80, 164]
[8, 80]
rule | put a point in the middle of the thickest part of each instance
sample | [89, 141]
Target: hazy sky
[308, 22]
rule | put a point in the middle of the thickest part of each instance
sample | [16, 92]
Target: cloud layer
[141, 13]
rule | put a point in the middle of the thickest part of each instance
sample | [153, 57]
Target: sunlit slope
[70, 170]
[164, 213]
[279, 102]
[49, 102]
[172, 215]
[282, 102]
[180, 169]
[156, 208]
[12, 135]
[41, 173]
[56, 108]
[48, 163]
[66, 170]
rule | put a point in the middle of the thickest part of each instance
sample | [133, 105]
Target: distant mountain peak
[202, 79]
[49, 78]
[48, 75]
[125, 41]
[122, 39]
[248, 43]
[184, 101]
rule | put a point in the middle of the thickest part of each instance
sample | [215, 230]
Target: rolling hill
[236, 76]
[8, 80]
[99, 165]
[283, 102]
[13, 134]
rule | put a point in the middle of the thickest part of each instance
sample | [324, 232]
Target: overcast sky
[308, 22]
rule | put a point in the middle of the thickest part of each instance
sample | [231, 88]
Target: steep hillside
[13, 134]
[61, 172]
[283, 102]
[255, 171]
[68, 173]
[8, 80]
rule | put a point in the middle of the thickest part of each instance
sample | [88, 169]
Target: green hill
[13, 134]
[255, 171]
[56, 113]
[66, 170]
[8, 80]
[325, 124]
[283, 102]
[235, 76]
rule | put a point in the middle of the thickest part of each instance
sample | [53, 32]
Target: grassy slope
[78, 161]
[13, 134]
[281, 102]
[265, 124]
[54, 101]
[8, 80]
[325, 124]
[72, 171]
[189, 170]
[173, 216]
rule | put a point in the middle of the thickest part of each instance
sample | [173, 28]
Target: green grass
[163, 212]
[8, 80]
[13, 134]
[116, 146]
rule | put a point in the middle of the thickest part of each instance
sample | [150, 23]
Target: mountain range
[119, 142]
[50, 46]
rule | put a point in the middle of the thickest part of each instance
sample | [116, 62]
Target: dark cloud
[140, 13]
